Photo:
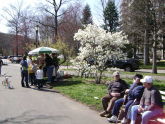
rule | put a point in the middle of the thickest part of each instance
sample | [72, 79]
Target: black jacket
[118, 87]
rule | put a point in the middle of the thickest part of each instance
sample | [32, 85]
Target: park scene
[82, 61]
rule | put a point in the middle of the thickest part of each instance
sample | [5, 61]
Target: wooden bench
[163, 95]
[161, 118]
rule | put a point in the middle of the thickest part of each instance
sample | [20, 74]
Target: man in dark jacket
[116, 90]
[150, 104]
[135, 92]
[24, 72]
[49, 65]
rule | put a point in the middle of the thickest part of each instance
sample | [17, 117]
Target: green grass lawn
[124, 73]
[160, 65]
[143, 73]
[82, 91]
[86, 91]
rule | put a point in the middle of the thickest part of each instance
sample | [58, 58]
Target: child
[39, 77]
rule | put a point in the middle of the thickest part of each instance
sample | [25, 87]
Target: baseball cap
[116, 73]
[147, 79]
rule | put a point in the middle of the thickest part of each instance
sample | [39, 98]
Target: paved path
[31, 106]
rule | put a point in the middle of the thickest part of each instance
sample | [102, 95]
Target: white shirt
[39, 74]
[29, 61]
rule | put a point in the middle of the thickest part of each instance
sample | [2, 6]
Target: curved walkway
[32, 106]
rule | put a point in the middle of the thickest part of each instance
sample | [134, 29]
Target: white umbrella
[43, 50]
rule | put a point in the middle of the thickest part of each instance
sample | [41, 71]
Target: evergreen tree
[111, 16]
[87, 16]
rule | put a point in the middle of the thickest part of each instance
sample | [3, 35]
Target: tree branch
[49, 12]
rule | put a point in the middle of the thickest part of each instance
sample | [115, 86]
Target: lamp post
[37, 28]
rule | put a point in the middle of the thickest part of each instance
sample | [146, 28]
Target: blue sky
[94, 5]
[96, 9]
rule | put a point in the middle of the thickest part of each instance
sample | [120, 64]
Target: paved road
[31, 106]
[121, 70]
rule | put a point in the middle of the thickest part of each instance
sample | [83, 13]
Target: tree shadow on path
[45, 90]
[29, 118]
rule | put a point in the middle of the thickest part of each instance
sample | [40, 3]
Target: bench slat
[162, 92]
[163, 97]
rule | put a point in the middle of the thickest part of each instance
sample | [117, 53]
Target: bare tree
[14, 19]
[46, 30]
[26, 24]
[71, 22]
[143, 20]
[139, 25]
[53, 8]
[5, 42]
[157, 11]
[129, 25]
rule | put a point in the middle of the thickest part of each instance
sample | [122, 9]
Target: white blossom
[98, 44]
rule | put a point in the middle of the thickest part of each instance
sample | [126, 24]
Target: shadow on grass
[66, 83]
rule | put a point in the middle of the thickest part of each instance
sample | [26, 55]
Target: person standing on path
[24, 72]
[1, 62]
[30, 71]
[49, 66]
[41, 62]
[56, 65]
[39, 77]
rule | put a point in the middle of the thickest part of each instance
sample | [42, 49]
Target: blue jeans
[128, 104]
[118, 104]
[50, 73]
[146, 115]
[24, 75]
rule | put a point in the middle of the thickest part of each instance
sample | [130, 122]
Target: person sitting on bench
[135, 92]
[150, 104]
[116, 90]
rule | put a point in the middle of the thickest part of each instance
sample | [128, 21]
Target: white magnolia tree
[98, 45]
[81, 66]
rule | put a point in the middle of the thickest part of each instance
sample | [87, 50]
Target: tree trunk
[154, 59]
[134, 52]
[154, 65]
[16, 43]
[163, 48]
[82, 73]
[55, 20]
[146, 48]
[56, 27]
[98, 77]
